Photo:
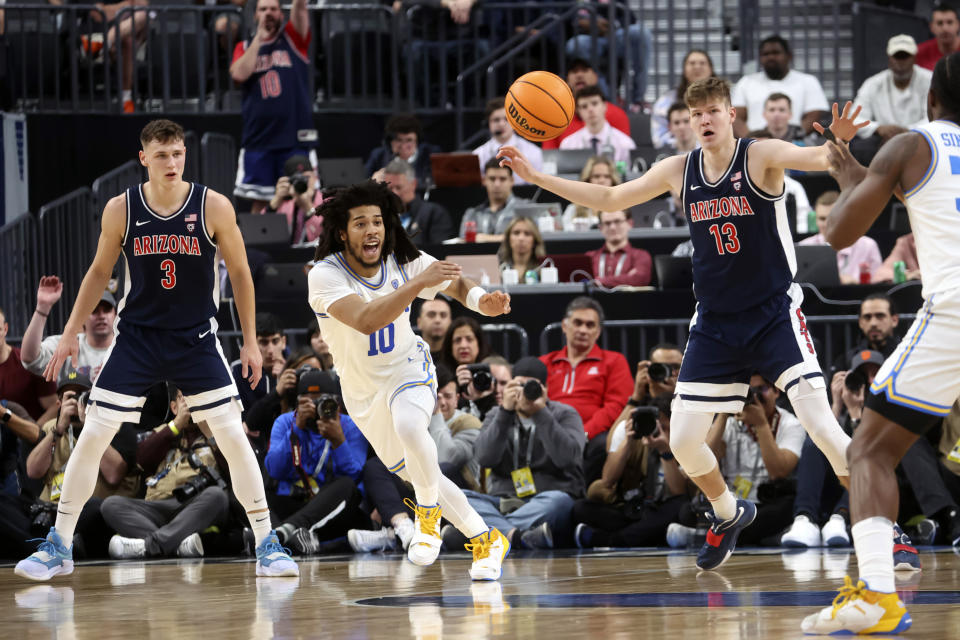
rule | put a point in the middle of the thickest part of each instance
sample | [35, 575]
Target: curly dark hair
[336, 214]
[447, 357]
[945, 82]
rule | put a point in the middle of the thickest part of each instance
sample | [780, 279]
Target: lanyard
[516, 445]
[603, 264]
[323, 458]
[758, 460]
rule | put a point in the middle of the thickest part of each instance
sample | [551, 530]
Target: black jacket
[429, 222]
[382, 155]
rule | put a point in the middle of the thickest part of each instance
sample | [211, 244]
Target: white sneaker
[802, 533]
[857, 610]
[425, 545]
[679, 536]
[834, 533]
[405, 530]
[489, 550]
[363, 541]
[190, 547]
[125, 548]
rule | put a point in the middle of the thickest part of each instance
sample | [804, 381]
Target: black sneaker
[302, 542]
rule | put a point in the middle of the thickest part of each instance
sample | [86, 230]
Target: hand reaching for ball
[513, 158]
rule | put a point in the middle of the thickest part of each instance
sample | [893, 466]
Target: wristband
[632, 402]
[473, 298]
[41, 313]
[829, 135]
[173, 428]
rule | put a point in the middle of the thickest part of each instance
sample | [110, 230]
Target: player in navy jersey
[273, 68]
[169, 232]
[748, 316]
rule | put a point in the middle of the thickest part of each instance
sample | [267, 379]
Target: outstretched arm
[494, 303]
[778, 154]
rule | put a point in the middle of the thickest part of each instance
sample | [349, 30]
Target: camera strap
[516, 445]
[295, 454]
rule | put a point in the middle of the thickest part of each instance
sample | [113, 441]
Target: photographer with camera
[316, 457]
[272, 344]
[480, 385]
[642, 488]
[186, 492]
[533, 447]
[758, 450]
[295, 196]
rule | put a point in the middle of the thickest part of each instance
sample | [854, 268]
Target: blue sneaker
[722, 536]
[905, 556]
[273, 560]
[583, 536]
[51, 558]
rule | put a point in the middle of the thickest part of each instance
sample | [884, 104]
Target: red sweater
[616, 116]
[598, 388]
[928, 53]
[635, 270]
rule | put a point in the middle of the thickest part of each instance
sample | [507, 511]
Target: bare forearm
[33, 336]
[594, 196]
[715, 435]
[246, 64]
[38, 462]
[112, 466]
[673, 477]
[26, 430]
[243, 295]
[614, 465]
[775, 459]
[382, 311]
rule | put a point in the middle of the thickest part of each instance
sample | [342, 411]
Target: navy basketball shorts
[143, 356]
[725, 349]
[258, 171]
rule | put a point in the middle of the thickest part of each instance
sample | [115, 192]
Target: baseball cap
[71, 378]
[578, 63]
[531, 367]
[864, 357]
[296, 164]
[317, 381]
[901, 42]
[108, 298]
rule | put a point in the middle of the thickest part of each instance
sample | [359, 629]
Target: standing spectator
[697, 65]
[945, 27]
[581, 74]
[751, 91]
[905, 251]
[94, 341]
[273, 68]
[864, 254]
[433, 322]
[501, 134]
[616, 262]
[777, 113]
[493, 216]
[295, 196]
[32, 392]
[427, 221]
[597, 134]
[403, 138]
[598, 170]
[522, 247]
[878, 322]
[594, 381]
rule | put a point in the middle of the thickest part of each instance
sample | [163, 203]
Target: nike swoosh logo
[203, 335]
[140, 223]
[692, 188]
[734, 520]
[258, 500]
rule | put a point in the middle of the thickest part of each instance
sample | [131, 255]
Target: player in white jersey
[919, 382]
[368, 273]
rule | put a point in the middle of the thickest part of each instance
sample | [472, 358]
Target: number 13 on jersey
[726, 238]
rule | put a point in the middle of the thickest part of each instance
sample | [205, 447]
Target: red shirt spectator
[595, 382]
[945, 27]
[19, 385]
[579, 75]
[616, 262]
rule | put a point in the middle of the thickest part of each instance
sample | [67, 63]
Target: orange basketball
[539, 105]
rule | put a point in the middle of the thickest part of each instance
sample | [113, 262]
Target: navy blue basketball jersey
[171, 279]
[276, 97]
[742, 247]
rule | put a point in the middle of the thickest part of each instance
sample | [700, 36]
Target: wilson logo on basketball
[522, 123]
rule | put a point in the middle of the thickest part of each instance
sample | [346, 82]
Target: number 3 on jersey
[728, 230]
[382, 341]
[169, 280]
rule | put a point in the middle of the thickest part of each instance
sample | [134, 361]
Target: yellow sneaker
[859, 610]
[425, 544]
[489, 549]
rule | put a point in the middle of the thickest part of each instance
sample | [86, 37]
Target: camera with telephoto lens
[44, 515]
[207, 476]
[532, 390]
[658, 372]
[299, 183]
[644, 421]
[855, 381]
[327, 407]
[482, 378]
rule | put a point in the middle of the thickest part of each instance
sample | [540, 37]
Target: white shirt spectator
[489, 149]
[607, 138]
[752, 91]
[89, 359]
[743, 457]
[884, 103]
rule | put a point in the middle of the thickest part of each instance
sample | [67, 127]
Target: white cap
[902, 42]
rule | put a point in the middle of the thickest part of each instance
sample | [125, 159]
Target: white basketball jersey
[367, 362]
[934, 209]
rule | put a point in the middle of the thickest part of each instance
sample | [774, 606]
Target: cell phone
[644, 421]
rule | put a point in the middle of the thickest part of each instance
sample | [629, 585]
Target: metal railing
[511, 338]
[21, 265]
[115, 181]
[218, 162]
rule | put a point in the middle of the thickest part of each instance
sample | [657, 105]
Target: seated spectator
[465, 343]
[15, 425]
[945, 27]
[295, 197]
[777, 113]
[479, 401]
[433, 321]
[697, 65]
[493, 216]
[758, 450]
[864, 254]
[581, 74]
[32, 392]
[185, 494]
[656, 376]
[597, 134]
[272, 345]
[502, 134]
[641, 490]
[598, 170]
[533, 447]
[594, 381]
[750, 93]
[522, 248]
[320, 348]
[94, 341]
[893, 100]
[616, 262]
[403, 138]
[684, 140]
[427, 221]
[905, 251]
[878, 322]
[316, 457]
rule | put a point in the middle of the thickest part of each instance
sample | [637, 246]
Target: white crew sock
[873, 542]
[724, 505]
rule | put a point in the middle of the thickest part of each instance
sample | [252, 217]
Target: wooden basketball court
[605, 595]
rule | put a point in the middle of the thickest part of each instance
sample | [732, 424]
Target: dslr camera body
[482, 378]
[658, 372]
[299, 183]
[328, 407]
[644, 420]
[207, 476]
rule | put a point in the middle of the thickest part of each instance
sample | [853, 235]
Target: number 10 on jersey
[381, 341]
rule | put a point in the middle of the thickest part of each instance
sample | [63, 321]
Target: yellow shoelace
[429, 518]
[847, 593]
[480, 548]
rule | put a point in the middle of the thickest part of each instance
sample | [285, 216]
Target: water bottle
[811, 221]
[622, 170]
[864, 273]
[531, 277]
[899, 272]
[470, 231]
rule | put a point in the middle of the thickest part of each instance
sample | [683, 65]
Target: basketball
[539, 105]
